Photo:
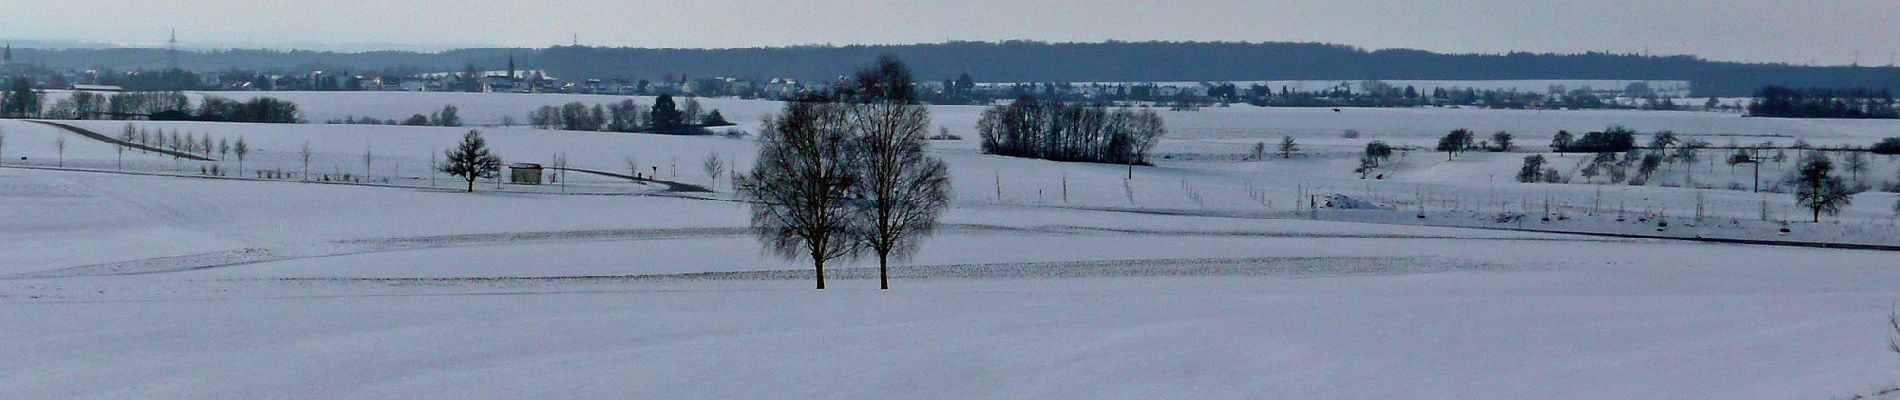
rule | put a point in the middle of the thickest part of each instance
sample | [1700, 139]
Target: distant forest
[1024, 61]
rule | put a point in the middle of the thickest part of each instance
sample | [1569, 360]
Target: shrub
[1888, 146]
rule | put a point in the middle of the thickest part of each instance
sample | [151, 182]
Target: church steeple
[7, 58]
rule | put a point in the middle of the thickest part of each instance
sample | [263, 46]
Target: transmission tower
[171, 51]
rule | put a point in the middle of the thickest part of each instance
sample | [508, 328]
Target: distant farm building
[524, 173]
[97, 88]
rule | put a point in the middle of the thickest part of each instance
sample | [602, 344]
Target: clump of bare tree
[834, 178]
[713, 167]
[1053, 130]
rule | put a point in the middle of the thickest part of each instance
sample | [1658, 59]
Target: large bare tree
[903, 189]
[800, 184]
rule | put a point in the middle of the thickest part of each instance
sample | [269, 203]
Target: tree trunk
[818, 263]
[471, 186]
[883, 271]
[1817, 215]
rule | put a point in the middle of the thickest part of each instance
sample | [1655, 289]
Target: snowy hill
[1199, 278]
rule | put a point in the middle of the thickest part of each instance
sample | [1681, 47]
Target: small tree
[1367, 163]
[471, 160]
[449, 116]
[713, 167]
[1287, 147]
[305, 154]
[60, 143]
[1561, 142]
[241, 149]
[224, 148]
[1856, 164]
[1649, 165]
[1455, 142]
[1661, 141]
[369, 157]
[1689, 153]
[1533, 169]
[1501, 141]
[1818, 189]
[1379, 151]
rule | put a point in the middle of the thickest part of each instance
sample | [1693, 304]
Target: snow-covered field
[1197, 279]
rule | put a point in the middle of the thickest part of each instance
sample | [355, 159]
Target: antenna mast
[171, 51]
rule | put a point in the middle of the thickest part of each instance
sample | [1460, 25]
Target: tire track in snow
[250, 256]
[1115, 268]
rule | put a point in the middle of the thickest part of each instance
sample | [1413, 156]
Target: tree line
[24, 102]
[1860, 102]
[664, 116]
[1023, 61]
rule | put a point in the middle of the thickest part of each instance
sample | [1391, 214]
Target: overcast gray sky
[1796, 31]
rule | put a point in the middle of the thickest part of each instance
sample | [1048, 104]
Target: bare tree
[560, 170]
[368, 158]
[799, 184]
[1893, 323]
[224, 148]
[241, 149]
[904, 189]
[60, 143]
[176, 145]
[1818, 189]
[1856, 163]
[1144, 130]
[305, 154]
[713, 167]
[471, 160]
[120, 148]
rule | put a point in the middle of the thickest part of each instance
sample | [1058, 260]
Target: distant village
[961, 90]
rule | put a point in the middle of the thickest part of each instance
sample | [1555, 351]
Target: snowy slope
[1196, 279]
